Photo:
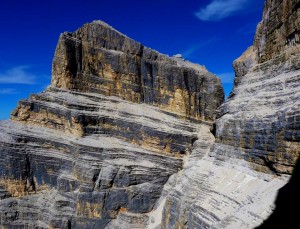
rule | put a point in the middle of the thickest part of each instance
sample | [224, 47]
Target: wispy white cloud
[219, 9]
[18, 75]
[8, 91]
[194, 48]
[226, 77]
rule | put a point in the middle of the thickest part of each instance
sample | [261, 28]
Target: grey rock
[124, 136]
[96, 58]
[262, 116]
[232, 181]
[96, 148]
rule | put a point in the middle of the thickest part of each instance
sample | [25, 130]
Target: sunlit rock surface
[97, 58]
[262, 117]
[96, 148]
[126, 137]
[232, 181]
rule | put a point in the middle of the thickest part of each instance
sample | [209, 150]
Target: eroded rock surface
[263, 115]
[97, 58]
[232, 181]
[96, 148]
[123, 136]
[218, 189]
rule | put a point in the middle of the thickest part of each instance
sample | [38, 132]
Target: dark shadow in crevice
[213, 130]
[286, 213]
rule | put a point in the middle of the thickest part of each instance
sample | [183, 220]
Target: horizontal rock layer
[93, 114]
[218, 189]
[82, 182]
[232, 182]
[93, 152]
[99, 156]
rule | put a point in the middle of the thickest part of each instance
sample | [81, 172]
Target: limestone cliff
[232, 181]
[97, 58]
[124, 137]
[99, 144]
[262, 116]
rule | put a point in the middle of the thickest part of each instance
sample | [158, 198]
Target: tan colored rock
[97, 58]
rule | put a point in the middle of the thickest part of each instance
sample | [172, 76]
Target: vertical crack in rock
[29, 176]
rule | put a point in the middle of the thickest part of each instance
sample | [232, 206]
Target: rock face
[232, 182]
[96, 148]
[97, 58]
[126, 137]
[263, 115]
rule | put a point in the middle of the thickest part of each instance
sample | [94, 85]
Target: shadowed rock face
[284, 215]
[99, 144]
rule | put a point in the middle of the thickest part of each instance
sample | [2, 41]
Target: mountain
[126, 137]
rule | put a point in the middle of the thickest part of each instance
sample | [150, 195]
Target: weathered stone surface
[94, 177]
[279, 29]
[262, 117]
[97, 58]
[96, 148]
[218, 189]
[91, 114]
[122, 138]
[232, 181]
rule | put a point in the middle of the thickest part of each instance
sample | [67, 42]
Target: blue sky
[209, 32]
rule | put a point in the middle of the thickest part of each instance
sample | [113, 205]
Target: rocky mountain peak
[97, 58]
[126, 137]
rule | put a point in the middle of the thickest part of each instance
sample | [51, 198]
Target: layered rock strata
[217, 189]
[123, 137]
[53, 181]
[81, 114]
[262, 117]
[96, 148]
[232, 182]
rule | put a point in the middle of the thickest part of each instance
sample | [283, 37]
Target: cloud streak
[17, 75]
[219, 9]
[8, 91]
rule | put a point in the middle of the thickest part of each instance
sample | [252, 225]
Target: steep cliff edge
[101, 142]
